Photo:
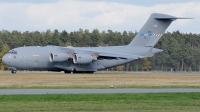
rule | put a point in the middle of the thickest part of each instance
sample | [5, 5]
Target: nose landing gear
[13, 71]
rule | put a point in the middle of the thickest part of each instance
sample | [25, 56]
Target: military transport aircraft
[90, 59]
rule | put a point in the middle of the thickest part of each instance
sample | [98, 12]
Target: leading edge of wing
[106, 54]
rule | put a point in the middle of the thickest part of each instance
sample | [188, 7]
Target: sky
[115, 15]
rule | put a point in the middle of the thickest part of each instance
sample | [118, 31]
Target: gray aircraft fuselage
[37, 57]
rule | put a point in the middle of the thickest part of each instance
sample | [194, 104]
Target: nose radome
[4, 59]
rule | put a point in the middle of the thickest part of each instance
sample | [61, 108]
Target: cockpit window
[12, 52]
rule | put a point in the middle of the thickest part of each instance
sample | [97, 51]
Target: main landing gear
[79, 72]
[67, 72]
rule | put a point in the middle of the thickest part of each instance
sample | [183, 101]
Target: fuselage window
[12, 52]
[15, 52]
[9, 52]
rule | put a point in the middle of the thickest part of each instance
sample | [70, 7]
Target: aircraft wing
[103, 54]
[119, 55]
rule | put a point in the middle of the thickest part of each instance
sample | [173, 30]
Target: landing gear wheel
[67, 72]
[78, 72]
[13, 71]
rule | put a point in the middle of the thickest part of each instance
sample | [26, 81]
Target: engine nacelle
[83, 58]
[58, 57]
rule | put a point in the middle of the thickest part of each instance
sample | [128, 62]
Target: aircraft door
[29, 64]
[35, 64]
[15, 60]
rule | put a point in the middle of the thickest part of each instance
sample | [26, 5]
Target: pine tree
[146, 64]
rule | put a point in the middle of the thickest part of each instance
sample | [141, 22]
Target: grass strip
[102, 102]
[90, 87]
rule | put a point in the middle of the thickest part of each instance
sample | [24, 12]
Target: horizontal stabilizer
[170, 18]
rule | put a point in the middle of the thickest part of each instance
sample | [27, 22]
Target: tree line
[181, 51]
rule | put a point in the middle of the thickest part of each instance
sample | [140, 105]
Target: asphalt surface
[90, 91]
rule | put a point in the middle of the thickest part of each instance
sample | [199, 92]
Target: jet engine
[83, 58]
[58, 57]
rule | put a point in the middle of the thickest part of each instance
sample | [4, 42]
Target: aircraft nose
[5, 59]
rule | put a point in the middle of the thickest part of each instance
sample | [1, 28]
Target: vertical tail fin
[153, 29]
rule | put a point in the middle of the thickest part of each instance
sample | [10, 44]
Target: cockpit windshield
[12, 52]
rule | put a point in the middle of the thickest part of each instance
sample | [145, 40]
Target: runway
[90, 91]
